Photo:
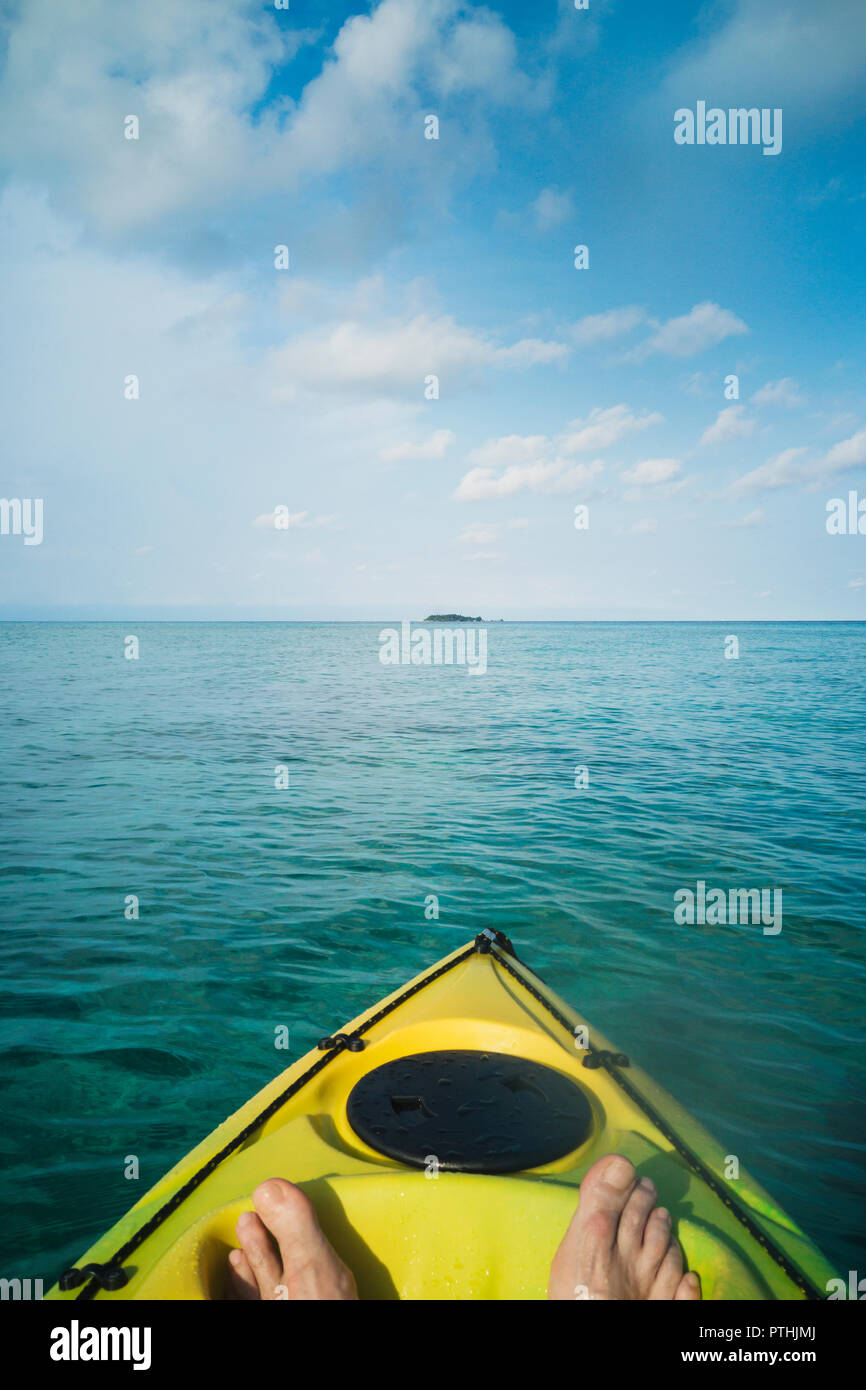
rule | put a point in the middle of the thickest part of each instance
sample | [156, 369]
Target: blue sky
[305, 388]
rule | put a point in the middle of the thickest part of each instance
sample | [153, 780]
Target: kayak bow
[442, 1137]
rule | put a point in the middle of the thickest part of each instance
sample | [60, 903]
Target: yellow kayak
[442, 1137]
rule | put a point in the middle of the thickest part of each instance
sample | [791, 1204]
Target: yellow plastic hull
[408, 1234]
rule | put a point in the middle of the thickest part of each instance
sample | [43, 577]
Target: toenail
[647, 1184]
[663, 1214]
[620, 1173]
[271, 1192]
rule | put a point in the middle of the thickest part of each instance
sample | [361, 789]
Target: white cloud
[528, 352]
[196, 76]
[551, 208]
[699, 384]
[394, 356]
[818, 57]
[480, 533]
[704, 326]
[731, 423]
[477, 53]
[509, 450]
[301, 297]
[849, 453]
[857, 583]
[784, 392]
[649, 472]
[539, 463]
[189, 75]
[844, 420]
[556, 476]
[788, 470]
[433, 448]
[780, 471]
[603, 428]
[600, 328]
[645, 527]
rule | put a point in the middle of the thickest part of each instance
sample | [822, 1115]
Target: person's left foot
[283, 1253]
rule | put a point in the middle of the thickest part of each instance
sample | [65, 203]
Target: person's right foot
[619, 1243]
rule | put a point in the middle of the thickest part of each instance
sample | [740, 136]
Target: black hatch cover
[473, 1112]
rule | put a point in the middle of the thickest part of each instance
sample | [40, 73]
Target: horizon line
[366, 622]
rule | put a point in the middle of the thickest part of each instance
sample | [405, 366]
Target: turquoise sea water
[261, 907]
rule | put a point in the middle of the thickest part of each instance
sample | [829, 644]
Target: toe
[608, 1184]
[670, 1273]
[259, 1250]
[291, 1218]
[633, 1219]
[585, 1256]
[656, 1242]
[243, 1283]
[310, 1266]
[689, 1288]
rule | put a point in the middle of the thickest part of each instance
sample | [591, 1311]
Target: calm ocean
[262, 906]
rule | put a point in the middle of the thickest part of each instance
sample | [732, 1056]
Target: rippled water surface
[262, 907]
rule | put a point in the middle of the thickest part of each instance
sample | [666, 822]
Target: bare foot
[619, 1243]
[283, 1253]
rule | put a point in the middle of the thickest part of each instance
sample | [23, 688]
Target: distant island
[451, 618]
[458, 618]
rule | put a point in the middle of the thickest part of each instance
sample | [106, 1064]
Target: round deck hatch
[473, 1112]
